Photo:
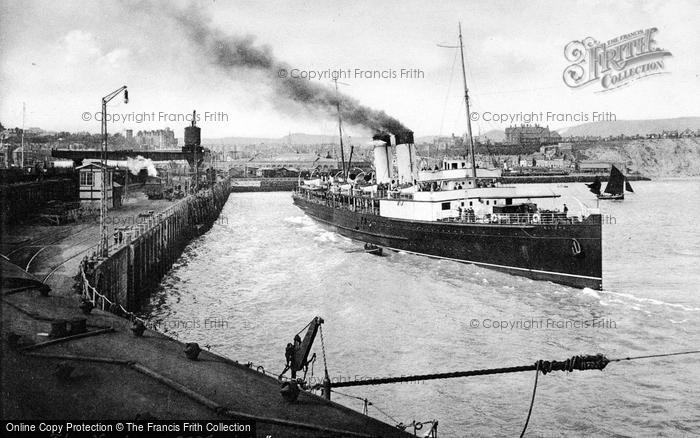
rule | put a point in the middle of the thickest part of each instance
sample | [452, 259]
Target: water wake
[635, 301]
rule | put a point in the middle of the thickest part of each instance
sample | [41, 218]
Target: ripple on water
[271, 269]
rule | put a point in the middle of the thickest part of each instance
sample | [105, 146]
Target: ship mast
[466, 103]
[340, 127]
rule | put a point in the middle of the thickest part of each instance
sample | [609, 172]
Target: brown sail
[595, 186]
[616, 183]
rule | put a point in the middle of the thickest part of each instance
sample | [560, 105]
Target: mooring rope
[532, 402]
[655, 355]
[323, 350]
[397, 422]
[369, 403]
[581, 363]
[305, 327]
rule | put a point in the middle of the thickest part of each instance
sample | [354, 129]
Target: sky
[61, 58]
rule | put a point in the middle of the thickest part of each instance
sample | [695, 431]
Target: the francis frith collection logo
[616, 62]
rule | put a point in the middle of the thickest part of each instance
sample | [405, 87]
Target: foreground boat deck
[119, 376]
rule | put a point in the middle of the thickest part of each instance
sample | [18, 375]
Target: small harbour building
[90, 186]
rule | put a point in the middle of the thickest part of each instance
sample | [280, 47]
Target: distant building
[32, 155]
[155, 140]
[33, 131]
[554, 163]
[278, 172]
[531, 135]
[296, 161]
[549, 151]
[669, 134]
[594, 166]
[565, 146]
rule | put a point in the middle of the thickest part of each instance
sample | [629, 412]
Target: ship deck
[541, 246]
[109, 381]
[370, 205]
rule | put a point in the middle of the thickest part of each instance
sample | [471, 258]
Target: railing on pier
[123, 236]
[102, 302]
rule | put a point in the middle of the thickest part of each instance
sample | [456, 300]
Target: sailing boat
[595, 185]
[615, 189]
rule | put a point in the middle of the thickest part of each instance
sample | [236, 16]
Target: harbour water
[265, 270]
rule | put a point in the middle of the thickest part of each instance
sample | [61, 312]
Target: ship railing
[399, 195]
[539, 218]
[335, 200]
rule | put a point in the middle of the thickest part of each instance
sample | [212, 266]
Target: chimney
[406, 157]
[382, 163]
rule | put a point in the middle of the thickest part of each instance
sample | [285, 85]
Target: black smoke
[231, 53]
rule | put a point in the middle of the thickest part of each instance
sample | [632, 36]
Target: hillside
[495, 135]
[653, 158]
[230, 141]
[631, 127]
[296, 139]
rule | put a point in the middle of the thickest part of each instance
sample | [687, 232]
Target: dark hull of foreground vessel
[568, 254]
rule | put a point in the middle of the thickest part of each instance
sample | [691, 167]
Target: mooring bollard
[138, 328]
[192, 350]
[64, 370]
[86, 306]
[12, 339]
[58, 328]
[77, 326]
[290, 391]
[326, 392]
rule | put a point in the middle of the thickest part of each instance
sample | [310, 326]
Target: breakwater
[551, 179]
[139, 255]
[239, 185]
[242, 185]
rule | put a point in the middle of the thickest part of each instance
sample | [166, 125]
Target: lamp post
[104, 242]
[23, 116]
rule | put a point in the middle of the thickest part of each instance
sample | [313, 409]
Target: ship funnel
[382, 162]
[406, 157]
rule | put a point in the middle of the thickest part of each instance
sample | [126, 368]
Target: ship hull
[608, 197]
[568, 254]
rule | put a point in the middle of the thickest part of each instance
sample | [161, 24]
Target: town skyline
[68, 57]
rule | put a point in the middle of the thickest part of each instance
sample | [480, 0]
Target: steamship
[458, 212]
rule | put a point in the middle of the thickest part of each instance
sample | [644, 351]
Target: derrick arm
[302, 349]
[297, 353]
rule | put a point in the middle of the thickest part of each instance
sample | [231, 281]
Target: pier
[140, 254]
[68, 355]
[98, 369]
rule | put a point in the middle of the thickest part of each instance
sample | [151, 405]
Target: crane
[297, 353]
[297, 359]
